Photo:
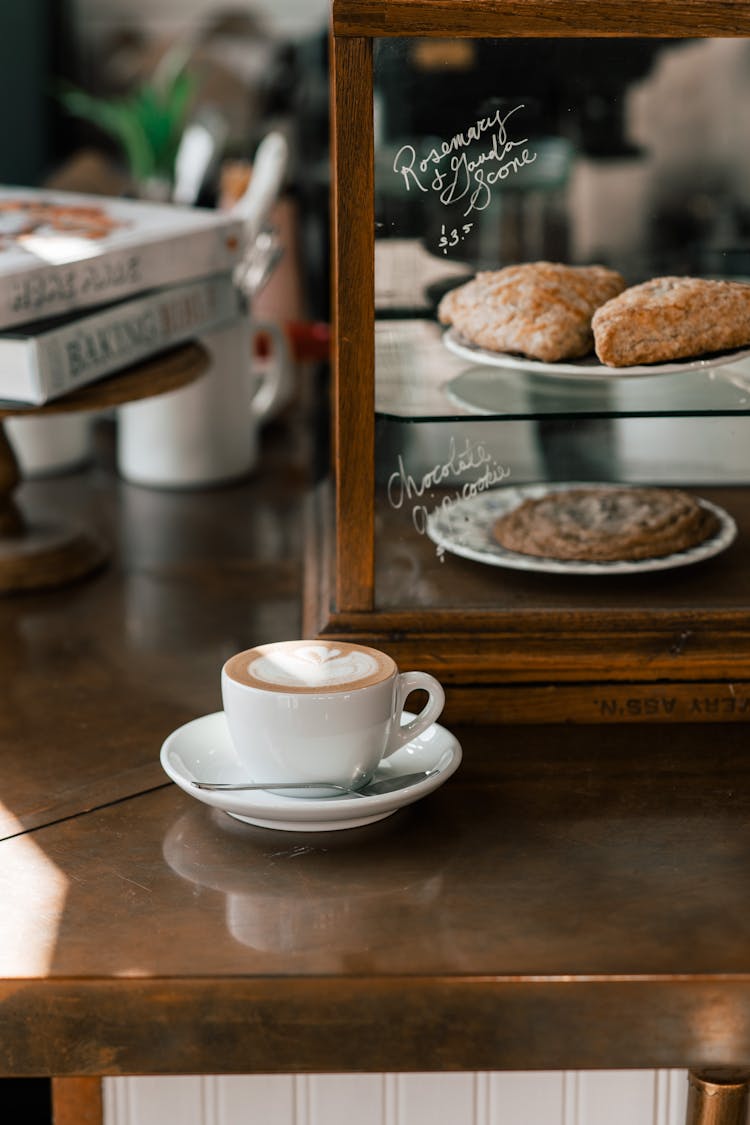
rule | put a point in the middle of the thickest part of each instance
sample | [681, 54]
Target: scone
[671, 318]
[541, 310]
[596, 524]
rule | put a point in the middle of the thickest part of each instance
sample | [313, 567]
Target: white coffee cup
[320, 710]
[208, 432]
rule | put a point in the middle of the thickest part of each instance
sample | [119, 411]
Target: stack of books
[90, 285]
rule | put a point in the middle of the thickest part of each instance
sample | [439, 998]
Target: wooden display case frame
[624, 664]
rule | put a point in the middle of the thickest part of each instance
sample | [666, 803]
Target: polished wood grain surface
[540, 17]
[548, 854]
[560, 902]
[353, 311]
[96, 672]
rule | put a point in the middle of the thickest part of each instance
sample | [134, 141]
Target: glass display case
[482, 137]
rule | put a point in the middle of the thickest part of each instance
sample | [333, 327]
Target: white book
[64, 250]
[48, 359]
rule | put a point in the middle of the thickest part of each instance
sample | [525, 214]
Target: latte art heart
[317, 654]
[298, 669]
[310, 666]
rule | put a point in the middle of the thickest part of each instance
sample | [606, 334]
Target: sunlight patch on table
[32, 892]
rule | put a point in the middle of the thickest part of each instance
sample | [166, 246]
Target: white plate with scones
[585, 322]
[591, 520]
[588, 367]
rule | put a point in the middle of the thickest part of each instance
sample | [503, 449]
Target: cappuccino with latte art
[310, 666]
[319, 710]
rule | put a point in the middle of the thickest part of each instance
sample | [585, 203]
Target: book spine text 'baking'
[45, 365]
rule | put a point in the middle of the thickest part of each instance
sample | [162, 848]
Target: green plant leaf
[148, 124]
[118, 120]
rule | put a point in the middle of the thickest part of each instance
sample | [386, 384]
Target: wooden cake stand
[32, 555]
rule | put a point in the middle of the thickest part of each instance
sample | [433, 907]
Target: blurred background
[252, 67]
[644, 159]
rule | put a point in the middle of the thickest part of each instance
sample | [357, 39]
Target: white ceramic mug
[208, 432]
[319, 710]
[50, 444]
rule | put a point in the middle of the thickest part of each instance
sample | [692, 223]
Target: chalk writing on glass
[468, 165]
[450, 238]
[465, 472]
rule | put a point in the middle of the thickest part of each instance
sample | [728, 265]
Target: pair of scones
[551, 312]
[538, 309]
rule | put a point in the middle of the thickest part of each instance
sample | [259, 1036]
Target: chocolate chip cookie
[606, 524]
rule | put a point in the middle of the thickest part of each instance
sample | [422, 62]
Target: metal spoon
[371, 789]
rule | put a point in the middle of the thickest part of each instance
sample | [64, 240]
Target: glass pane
[628, 154]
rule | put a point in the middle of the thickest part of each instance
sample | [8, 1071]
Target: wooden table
[575, 896]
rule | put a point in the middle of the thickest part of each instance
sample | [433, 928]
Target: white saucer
[202, 749]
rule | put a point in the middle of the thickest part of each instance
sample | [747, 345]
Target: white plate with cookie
[588, 367]
[467, 528]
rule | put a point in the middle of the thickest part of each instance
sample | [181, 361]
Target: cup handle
[275, 381]
[407, 683]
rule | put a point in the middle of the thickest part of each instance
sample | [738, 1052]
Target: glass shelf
[418, 380]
